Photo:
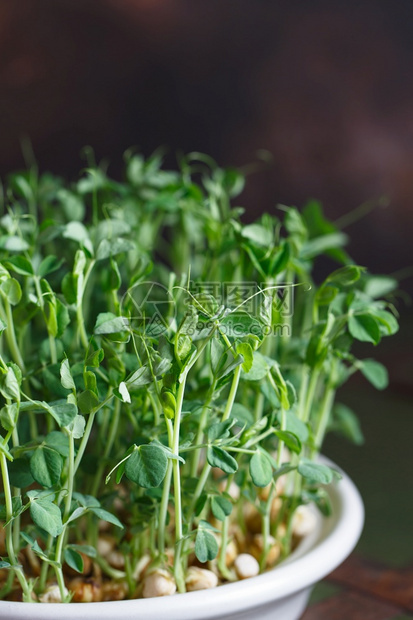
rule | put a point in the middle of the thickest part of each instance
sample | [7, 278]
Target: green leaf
[387, 322]
[51, 318]
[77, 426]
[62, 318]
[346, 422]
[66, 376]
[49, 265]
[19, 473]
[258, 234]
[168, 403]
[140, 377]
[345, 276]
[106, 516]
[17, 509]
[378, 286]
[10, 385]
[206, 546]
[242, 414]
[87, 501]
[46, 466]
[183, 347]
[245, 350]
[260, 469]
[87, 401]
[11, 290]
[20, 265]
[295, 224]
[64, 413]
[71, 203]
[290, 440]
[320, 245]
[109, 323]
[9, 415]
[280, 260]
[315, 473]
[221, 507]
[73, 559]
[200, 504]
[59, 442]
[218, 356]
[124, 392]
[75, 231]
[326, 294]
[364, 327]
[12, 243]
[69, 288]
[376, 373]
[47, 516]
[147, 466]
[217, 457]
[108, 248]
[258, 370]
[95, 358]
[90, 381]
[219, 430]
[294, 425]
[85, 549]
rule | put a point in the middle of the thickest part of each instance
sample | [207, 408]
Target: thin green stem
[178, 570]
[163, 510]
[232, 393]
[200, 431]
[109, 442]
[87, 432]
[9, 531]
[66, 513]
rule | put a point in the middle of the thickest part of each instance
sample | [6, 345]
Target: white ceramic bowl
[281, 593]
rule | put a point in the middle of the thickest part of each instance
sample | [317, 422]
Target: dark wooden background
[324, 86]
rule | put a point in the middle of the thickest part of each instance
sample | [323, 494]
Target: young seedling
[167, 377]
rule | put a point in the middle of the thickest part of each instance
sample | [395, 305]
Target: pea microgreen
[164, 367]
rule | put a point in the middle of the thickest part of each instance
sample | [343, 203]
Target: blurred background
[324, 86]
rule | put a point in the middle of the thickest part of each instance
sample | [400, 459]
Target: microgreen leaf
[47, 516]
[218, 457]
[376, 373]
[109, 323]
[73, 559]
[260, 469]
[66, 376]
[147, 466]
[206, 546]
[346, 422]
[221, 507]
[19, 264]
[315, 473]
[9, 415]
[364, 327]
[106, 516]
[46, 466]
[290, 440]
[20, 474]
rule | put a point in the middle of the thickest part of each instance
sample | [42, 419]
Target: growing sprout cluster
[167, 377]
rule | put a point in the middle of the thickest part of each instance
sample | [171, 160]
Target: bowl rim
[335, 538]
